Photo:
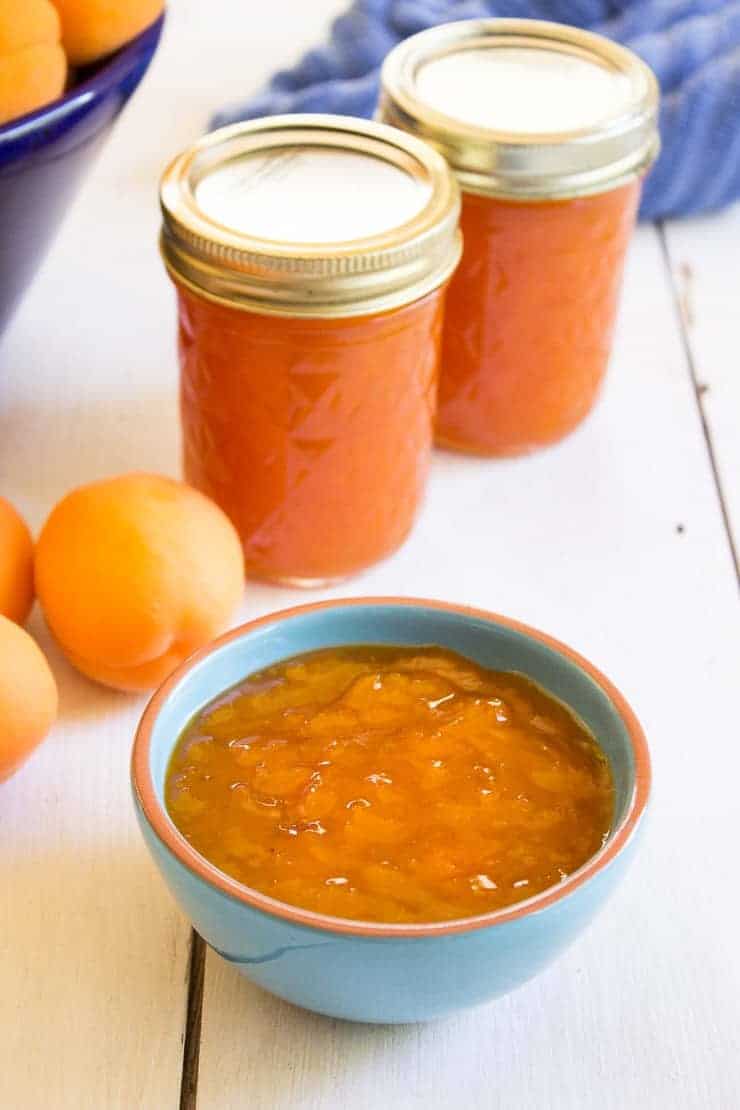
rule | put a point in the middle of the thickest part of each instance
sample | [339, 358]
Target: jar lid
[310, 215]
[525, 109]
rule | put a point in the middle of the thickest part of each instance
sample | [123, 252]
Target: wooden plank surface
[93, 954]
[613, 541]
[704, 256]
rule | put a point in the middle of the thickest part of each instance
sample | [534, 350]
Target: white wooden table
[619, 541]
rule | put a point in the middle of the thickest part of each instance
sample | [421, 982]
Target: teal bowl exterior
[365, 971]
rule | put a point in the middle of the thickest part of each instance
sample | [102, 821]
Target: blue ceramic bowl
[43, 156]
[367, 971]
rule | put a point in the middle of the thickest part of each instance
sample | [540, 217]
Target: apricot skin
[133, 574]
[33, 66]
[93, 28]
[28, 697]
[16, 564]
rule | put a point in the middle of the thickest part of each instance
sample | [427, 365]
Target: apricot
[93, 28]
[133, 574]
[28, 697]
[16, 564]
[33, 67]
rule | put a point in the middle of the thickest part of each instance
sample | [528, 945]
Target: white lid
[523, 89]
[310, 215]
[309, 194]
[524, 108]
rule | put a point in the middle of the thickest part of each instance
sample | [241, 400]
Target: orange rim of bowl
[171, 838]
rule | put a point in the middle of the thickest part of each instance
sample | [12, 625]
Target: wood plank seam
[699, 391]
[193, 1020]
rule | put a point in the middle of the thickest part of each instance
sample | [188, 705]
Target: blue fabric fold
[692, 45]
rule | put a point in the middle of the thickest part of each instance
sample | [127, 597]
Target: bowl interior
[486, 641]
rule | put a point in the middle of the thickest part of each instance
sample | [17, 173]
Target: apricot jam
[314, 436]
[530, 317]
[390, 784]
[311, 256]
[549, 130]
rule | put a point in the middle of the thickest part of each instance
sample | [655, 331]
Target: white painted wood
[93, 954]
[644, 1011]
[705, 259]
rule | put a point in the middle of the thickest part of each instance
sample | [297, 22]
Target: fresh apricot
[28, 697]
[16, 564]
[33, 67]
[133, 574]
[93, 28]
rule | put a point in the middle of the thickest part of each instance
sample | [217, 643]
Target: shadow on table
[80, 698]
[286, 1058]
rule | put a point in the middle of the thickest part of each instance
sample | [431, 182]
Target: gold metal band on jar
[520, 165]
[312, 279]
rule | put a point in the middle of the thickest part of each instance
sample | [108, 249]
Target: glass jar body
[530, 316]
[314, 435]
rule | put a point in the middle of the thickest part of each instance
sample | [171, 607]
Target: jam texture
[529, 319]
[314, 435]
[390, 784]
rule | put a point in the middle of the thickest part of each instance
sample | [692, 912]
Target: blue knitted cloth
[692, 45]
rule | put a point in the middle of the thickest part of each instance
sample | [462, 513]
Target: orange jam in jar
[390, 784]
[311, 256]
[549, 130]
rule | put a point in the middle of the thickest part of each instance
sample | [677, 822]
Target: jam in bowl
[518, 780]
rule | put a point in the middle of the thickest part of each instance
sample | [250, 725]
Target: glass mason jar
[549, 131]
[311, 256]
